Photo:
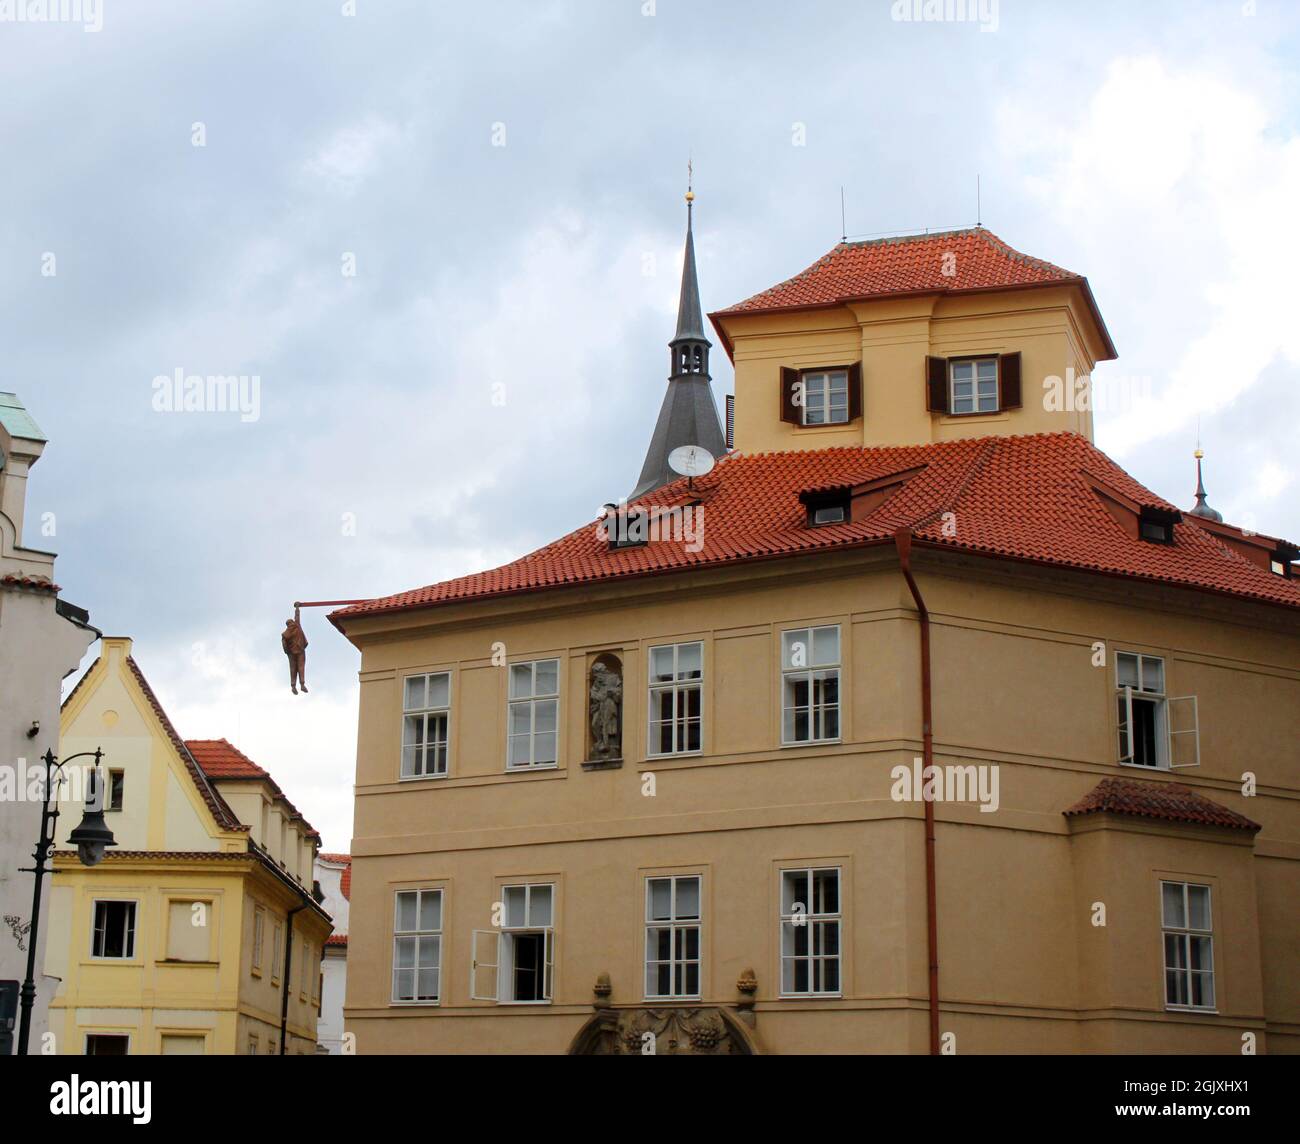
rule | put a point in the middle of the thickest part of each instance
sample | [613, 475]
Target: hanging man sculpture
[294, 641]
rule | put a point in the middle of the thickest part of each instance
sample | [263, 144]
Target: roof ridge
[221, 809]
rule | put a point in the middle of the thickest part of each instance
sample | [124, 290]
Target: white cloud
[1177, 175]
[351, 154]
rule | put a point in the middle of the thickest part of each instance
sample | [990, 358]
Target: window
[252, 1044]
[829, 395]
[672, 936]
[107, 1044]
[534, 706]
[426, 713]
[114, 934]
[305, 976]
[676, 672]
[116, 789]
[183, 1044]
[825, 397]
[188, 930]
[259, 936]
[277, 952]
[1189, 946]
[1141, 683]
[417, 945]
[974, 385]
[516, 964]
[810, 931]
[810, 684]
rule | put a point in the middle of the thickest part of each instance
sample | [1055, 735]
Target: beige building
[199, 932]
[914, 725]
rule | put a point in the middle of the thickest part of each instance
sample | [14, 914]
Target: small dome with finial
[1202, 509]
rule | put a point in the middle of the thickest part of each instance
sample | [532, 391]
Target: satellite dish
[690, 461]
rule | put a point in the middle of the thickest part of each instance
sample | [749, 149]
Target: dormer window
[827, 506]
[1156, 526]
[812, 398]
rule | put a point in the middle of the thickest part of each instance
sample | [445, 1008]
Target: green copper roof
[16, 420]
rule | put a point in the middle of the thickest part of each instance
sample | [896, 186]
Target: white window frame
[812, 920]
[828, 384]
[259, 939]
[674, 925]
[1167, 711]
[678, 687]
[420, 936]
[817, 711]
[976, 407]
[530, 702]
[85, 1043]
[498, 945]
[133, 931]
[439, 711]
[1184, 934]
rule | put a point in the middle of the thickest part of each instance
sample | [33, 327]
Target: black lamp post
[90, 838]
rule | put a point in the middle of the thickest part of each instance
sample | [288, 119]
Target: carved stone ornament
[605, 710]
[685, 1030]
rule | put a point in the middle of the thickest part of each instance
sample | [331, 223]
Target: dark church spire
[1202, 509]
[688, 415]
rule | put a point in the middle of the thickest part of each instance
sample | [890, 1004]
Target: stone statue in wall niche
[605, 711]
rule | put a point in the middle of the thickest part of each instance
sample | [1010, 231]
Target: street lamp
[91, 837]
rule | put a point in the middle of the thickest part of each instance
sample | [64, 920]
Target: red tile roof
[1171, 802]
[1029, 498]
[345, 879]
[911, 264]
[222, 760]
[337, 939]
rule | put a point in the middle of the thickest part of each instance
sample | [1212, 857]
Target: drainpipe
[903, 542]
[288, 963]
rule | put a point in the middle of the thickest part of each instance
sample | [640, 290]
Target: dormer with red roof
[910, 341]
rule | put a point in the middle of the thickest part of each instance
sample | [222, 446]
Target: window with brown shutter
[1009, 381]
[789, 410]
[824, 396]
[936, 384]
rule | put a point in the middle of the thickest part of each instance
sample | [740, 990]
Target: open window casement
[1125, 725]
[548, 971]
[1183, 727]
[484, 965]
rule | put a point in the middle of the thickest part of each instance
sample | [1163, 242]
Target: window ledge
[415, 1004]
[813, 743]
[673, 755]
[176, 963]
[1191, 1009]
[422, 778]
[978, 417]
[1143, 767]
[532, 767]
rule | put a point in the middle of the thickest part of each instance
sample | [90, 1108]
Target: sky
[446, 239]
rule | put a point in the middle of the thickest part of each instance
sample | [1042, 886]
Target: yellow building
[914, 725]
[199, 932]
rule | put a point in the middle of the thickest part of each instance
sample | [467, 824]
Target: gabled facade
[936, 731]
[199, 932]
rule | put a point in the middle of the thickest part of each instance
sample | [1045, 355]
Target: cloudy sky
[507, 179]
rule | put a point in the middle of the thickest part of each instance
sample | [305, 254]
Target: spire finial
[1201, 508]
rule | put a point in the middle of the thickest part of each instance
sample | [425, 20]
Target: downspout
[288, 963]
[903, 542]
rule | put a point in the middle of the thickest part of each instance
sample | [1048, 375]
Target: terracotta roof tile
[1171, 802]
[1029, 498]
[910, 264]
[337, 939]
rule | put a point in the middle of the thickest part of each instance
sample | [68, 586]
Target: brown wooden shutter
[1009, 381]
[936, 384]
[789, 410]
[855, 391]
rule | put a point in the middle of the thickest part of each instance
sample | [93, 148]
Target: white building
[42, 640]
[333, 872]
